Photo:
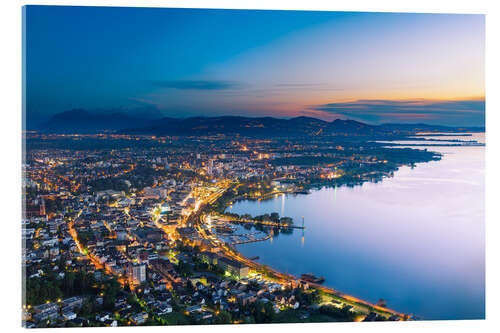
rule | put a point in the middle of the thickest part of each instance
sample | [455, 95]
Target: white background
[10, 156]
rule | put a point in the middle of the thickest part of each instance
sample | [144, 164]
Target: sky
[153, 62]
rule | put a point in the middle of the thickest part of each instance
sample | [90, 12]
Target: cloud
[195, 84]
[380, 110]
[304, 86]
[299, 85]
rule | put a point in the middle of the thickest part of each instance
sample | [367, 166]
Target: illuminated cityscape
[144, 231]
[127, 217]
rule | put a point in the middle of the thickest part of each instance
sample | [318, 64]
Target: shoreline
[345, 298]
[360, 304]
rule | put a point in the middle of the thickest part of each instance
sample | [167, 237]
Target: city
[194, 166]
[140, 235]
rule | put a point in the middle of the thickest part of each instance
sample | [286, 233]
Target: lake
[416, 239]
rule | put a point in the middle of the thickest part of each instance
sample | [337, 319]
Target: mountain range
[82, 121]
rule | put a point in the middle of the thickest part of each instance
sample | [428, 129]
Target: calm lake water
[415, 240]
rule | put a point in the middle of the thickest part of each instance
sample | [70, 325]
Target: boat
[309, 277]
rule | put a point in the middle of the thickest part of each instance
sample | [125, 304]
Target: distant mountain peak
[84, 121]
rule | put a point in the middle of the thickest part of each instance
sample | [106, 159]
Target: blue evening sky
[375, 67]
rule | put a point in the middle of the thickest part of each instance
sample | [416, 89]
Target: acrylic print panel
[187, 166]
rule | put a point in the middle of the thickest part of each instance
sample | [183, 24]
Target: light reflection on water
[416, 240]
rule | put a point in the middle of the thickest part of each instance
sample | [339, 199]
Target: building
[72, 302]
[209, 257]
[164, 309]
[110, 194]
[139, 318]
[194, 308]
[233, 267]
[165, 208]
[69, 315]
[155, 192]
[137, 273]
[35, 208]
[121, 235]
[48, 315]
[48, 307]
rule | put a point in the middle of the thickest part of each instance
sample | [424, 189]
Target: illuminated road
[95, 261]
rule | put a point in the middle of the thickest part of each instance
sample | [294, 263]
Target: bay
[416, 239]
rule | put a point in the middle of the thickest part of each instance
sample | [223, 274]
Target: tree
[262, 312]
[223, 317]
[307, 298]
[184, 269]
[87, 308]
[189, 286]
[344, 313]
[275, 217]
[253, 285]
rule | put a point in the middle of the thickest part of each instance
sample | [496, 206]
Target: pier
[255, 240]
[268, 223]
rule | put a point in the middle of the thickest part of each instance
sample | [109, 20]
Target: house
[193, 308]
[103, 317]
[48, 307]
[47, 315]
[161, 286]
[164, 309]
[247, 299]
[120, 301]
[72, 302]
[223, 305]
[79, 322]
[69, 315]
[110, 323]
[139, 318]
[203, 315]
[370, 317]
